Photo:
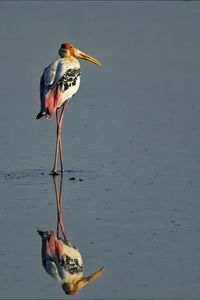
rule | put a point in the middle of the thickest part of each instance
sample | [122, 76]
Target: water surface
[131, 135]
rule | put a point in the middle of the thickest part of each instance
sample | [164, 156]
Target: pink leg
[54, 171]
[58, 142]
[61, 157]
[60, 145]
[60, 213]
[57, 202]
[60, 224]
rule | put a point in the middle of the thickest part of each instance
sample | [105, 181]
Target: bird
[59, 82]
[63, 262]
[60, 258]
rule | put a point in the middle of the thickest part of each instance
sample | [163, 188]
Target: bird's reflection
[60, 258]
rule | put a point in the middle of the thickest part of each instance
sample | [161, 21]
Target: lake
[131, 145]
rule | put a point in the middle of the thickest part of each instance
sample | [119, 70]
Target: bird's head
[67, 50]
[73, 288]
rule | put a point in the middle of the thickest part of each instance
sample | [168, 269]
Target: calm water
[131, 134]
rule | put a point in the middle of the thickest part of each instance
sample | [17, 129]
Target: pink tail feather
[53, 100]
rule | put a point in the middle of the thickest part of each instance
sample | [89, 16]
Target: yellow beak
[81, 54]
[86, 280]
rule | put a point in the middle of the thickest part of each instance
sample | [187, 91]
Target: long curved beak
[86, 280]
[80, 54]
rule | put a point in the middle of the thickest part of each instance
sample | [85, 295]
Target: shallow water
[131, 135]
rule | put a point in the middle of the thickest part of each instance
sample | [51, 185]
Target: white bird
[60, 258]
[59, 83]
[64, 263]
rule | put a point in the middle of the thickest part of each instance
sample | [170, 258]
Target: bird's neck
[71, 61]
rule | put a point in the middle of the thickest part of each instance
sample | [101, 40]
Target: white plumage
[59, 83]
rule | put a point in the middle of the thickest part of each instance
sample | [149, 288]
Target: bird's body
[59, 83]
[61, 260]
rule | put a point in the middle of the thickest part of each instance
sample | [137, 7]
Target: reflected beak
[81, 54]
[81, 283]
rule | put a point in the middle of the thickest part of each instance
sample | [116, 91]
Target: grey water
[131, 142]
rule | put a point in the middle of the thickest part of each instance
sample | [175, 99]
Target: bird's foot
[54, 173]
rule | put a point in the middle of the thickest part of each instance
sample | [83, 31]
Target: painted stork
[59, 83]
[60, 258]
[63, 262]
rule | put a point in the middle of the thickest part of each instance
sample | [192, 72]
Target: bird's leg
[60, 146]
[61, 156]
[57, 202]
[60, 211]
[54, 171]
[60, 225]
[59, 142]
